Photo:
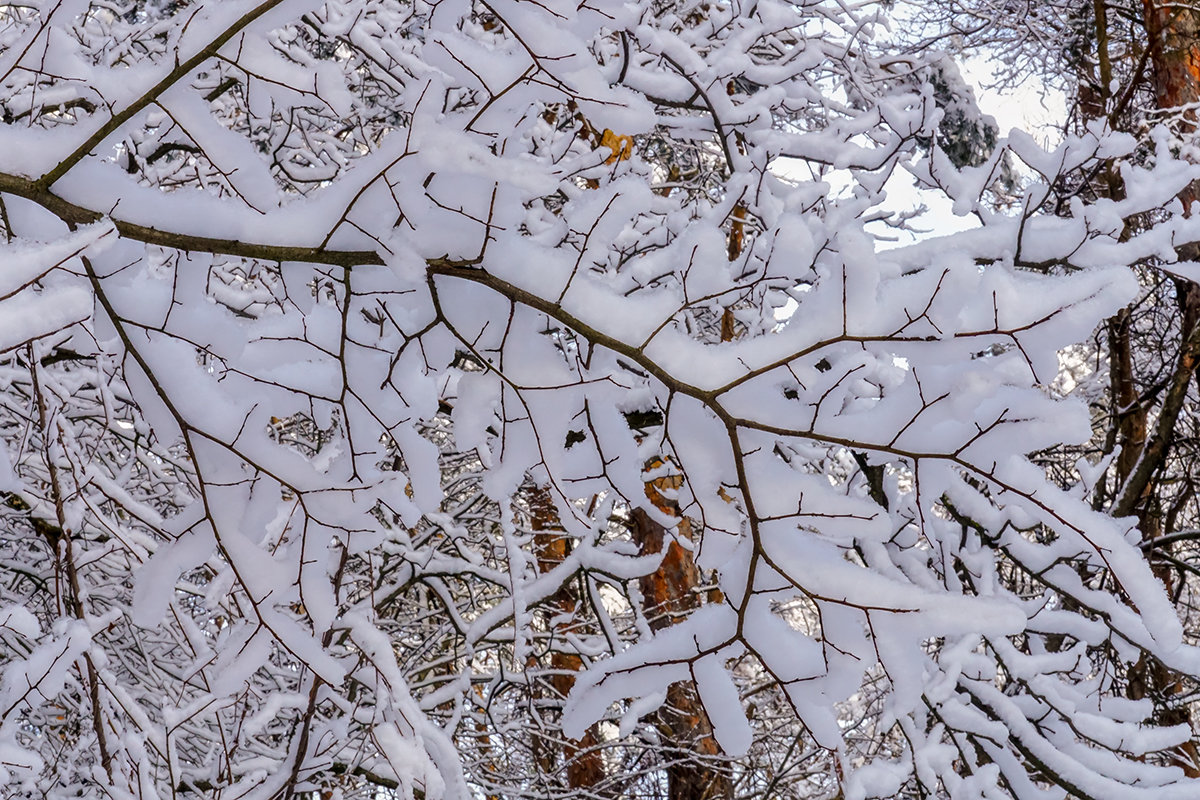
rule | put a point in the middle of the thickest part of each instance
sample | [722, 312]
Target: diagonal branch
[170, 79]
[1164, 431]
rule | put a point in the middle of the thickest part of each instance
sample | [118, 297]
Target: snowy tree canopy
[345, 344]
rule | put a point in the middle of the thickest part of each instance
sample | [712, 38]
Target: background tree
[1128, 67]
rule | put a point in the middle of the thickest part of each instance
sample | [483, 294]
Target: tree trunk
[669, 594]
[1172, 30]
[584, 766]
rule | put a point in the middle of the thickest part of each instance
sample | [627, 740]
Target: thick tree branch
[74, 214]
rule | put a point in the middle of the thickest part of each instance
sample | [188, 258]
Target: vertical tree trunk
[1173, 31]
[669, 594]
[1172, 28]
[1131, 412]
[584, 766]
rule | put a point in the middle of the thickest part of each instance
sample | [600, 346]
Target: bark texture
[1173, 34]
[670, 593]
[581, 757]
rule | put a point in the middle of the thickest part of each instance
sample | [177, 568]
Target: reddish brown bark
[1173, 30]
[669, 594]
[672, 592]
[584, 766]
